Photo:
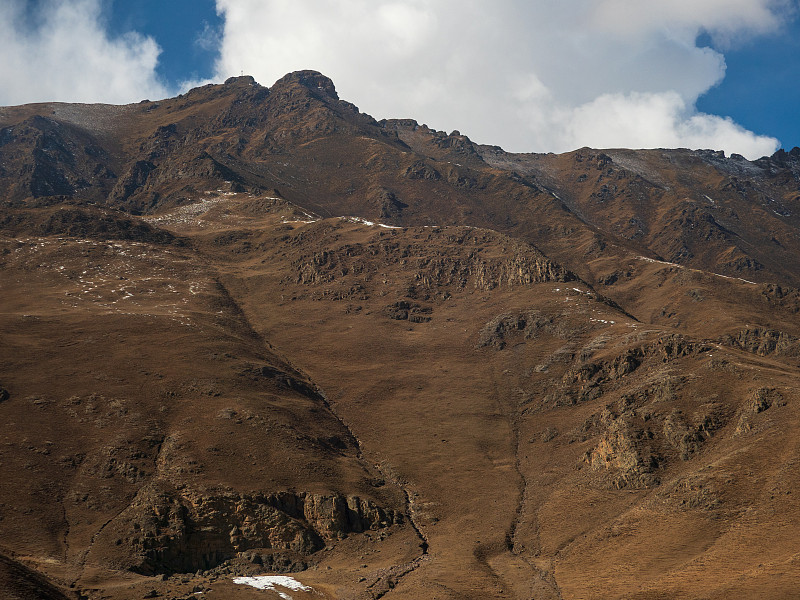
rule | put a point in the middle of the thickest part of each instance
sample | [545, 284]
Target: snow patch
[735, 278]
[284, 220]
[652, 260]
[270, 582]
[661, 262]
[358, 220]
[574, 289]
[368, 223]
[307, 216]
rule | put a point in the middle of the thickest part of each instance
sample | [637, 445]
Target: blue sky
[184, 30]
[761, 88]
[526, 75]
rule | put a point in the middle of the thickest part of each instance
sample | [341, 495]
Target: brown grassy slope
[695, 208]
[548, 450]
[482, 401]
[135, 388]
[17, 582]
[534, 426]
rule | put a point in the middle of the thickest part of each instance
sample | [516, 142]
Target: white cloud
[722, 18]
[530, 76]
[209, 39]
[656, 120]
[61, 52]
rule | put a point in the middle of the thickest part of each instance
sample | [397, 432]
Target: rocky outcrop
[781, 159]
[454, 141]
[163, 175]
[764, 341]
[134, 178]
[587, 379]
[516, 269]
[686, 435]
[665, 349]
[389, 205]
[165, 531]
[421, 170]
[83, 222]
[762, 399]
[635, 441]
[759, 400]
[286, 379]
[625, 454]
[404, 310]
[530, 324]
[434, 260]
[312, 80]
[43, 157]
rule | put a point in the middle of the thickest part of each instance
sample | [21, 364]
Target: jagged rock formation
[430, 260]
[190, 530]
[764, 342]
[529, 324]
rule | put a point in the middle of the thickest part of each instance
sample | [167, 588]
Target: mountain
[253, 330]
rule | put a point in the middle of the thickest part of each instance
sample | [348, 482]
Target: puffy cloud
[530, 76]
[59, 50]
[657, 120]
[722, 18]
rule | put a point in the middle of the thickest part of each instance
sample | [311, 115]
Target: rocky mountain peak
[782, 156]
[313, 80]
[243, 80]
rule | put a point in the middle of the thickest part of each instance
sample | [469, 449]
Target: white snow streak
[663, 262]
[368, 223]
[270, 582]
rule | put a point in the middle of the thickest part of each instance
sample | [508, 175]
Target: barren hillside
[252, 331]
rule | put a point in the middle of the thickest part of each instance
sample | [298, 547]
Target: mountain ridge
[253, 330]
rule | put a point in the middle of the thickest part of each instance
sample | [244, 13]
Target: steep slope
[150, 429]
[694, 208]
[546, 437]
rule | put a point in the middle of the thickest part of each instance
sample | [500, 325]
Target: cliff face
[252, 330]
[184, 531]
